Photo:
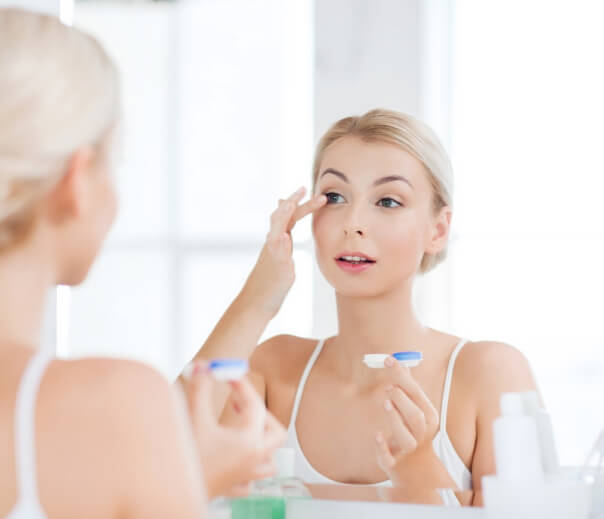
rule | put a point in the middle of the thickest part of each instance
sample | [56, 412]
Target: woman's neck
[24, 280]
[383, 324]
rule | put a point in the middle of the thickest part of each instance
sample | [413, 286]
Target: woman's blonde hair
[59, 92]
[409, 134]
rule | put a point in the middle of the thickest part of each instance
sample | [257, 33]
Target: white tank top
[442, 444]
[28, 505]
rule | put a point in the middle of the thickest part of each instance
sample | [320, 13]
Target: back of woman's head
[59, 92]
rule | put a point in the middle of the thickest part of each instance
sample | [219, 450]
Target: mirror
[512, 88]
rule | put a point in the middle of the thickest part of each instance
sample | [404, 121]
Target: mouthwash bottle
[268, 498]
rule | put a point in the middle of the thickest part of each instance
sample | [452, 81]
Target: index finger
[305, 209]
[409, 385]
[274, 433]
[281, 217]
[249, 402]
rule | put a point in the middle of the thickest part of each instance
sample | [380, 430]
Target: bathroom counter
[364, 502]
[327, 509]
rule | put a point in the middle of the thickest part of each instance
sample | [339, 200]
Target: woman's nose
[353, 230]
[353, 224]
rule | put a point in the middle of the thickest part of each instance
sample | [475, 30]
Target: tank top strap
[447, 388]
[25, 423]
[309, 365]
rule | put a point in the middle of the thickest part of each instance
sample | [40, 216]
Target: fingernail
[389, 362]
[300, 190]
[388, 405]
[389, 388]
[378, 437]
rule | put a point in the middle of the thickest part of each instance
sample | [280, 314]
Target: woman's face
[380, 209]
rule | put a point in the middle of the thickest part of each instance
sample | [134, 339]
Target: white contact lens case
[409, 359]
[222, 369]
[228, 369]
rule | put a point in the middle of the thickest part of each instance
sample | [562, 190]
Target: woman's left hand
[413, 420]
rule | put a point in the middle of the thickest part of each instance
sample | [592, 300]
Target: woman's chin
[356, 289]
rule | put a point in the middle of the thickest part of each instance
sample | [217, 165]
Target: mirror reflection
[367, 233]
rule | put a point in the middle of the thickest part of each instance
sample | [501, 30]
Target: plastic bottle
[268, 498]
[519, 490]
[517, 450]
[545, 431]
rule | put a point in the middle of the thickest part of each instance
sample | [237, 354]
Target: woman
[91, 437]
[382, 204]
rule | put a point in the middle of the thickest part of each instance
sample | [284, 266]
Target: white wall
[218, 112]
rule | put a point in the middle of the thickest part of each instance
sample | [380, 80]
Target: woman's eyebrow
[378, 182]
[392, 178]
[337, 173]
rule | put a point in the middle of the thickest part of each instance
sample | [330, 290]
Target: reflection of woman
[382, 214]
[87, 438]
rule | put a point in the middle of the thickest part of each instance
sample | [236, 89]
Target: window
[526, 264]
[218, 126]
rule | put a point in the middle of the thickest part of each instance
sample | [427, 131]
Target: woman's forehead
[363, 161]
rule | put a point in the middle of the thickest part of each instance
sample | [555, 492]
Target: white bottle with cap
[545, 431]
[519, 489]
[516, 490]
[517, 450]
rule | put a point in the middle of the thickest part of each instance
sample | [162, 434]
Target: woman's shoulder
[110, 396]
[284, 355]
[489, 368]
[123, 379]
[483, 356]
[117, 415]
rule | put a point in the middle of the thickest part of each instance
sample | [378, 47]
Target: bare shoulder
[283, 356]
[280, 362]
[137, 424]
[114, 398]
[489, 368]
[113, 381]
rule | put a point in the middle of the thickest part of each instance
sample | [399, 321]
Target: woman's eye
[389, 202]
[334, 198]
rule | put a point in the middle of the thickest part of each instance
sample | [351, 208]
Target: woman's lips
[353, 266]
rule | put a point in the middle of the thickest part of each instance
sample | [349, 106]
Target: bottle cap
[531, 402]
[285, 459]
[512, 404]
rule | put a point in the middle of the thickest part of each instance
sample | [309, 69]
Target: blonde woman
[382, 202]
[93, 438]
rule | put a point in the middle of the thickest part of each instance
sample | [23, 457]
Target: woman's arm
[146, 434]
[239, 330]
[497, 368]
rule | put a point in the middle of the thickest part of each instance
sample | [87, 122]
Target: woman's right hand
[274, 274]
[232, 456]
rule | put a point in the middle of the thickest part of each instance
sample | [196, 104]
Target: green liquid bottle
[268, 499]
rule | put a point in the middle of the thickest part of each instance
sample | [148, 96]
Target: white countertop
[319, 509]
[324, 509]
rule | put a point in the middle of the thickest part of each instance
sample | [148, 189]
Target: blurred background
[224, 101]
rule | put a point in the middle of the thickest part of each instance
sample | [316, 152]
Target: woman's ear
[439, 233]
[69, 198]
